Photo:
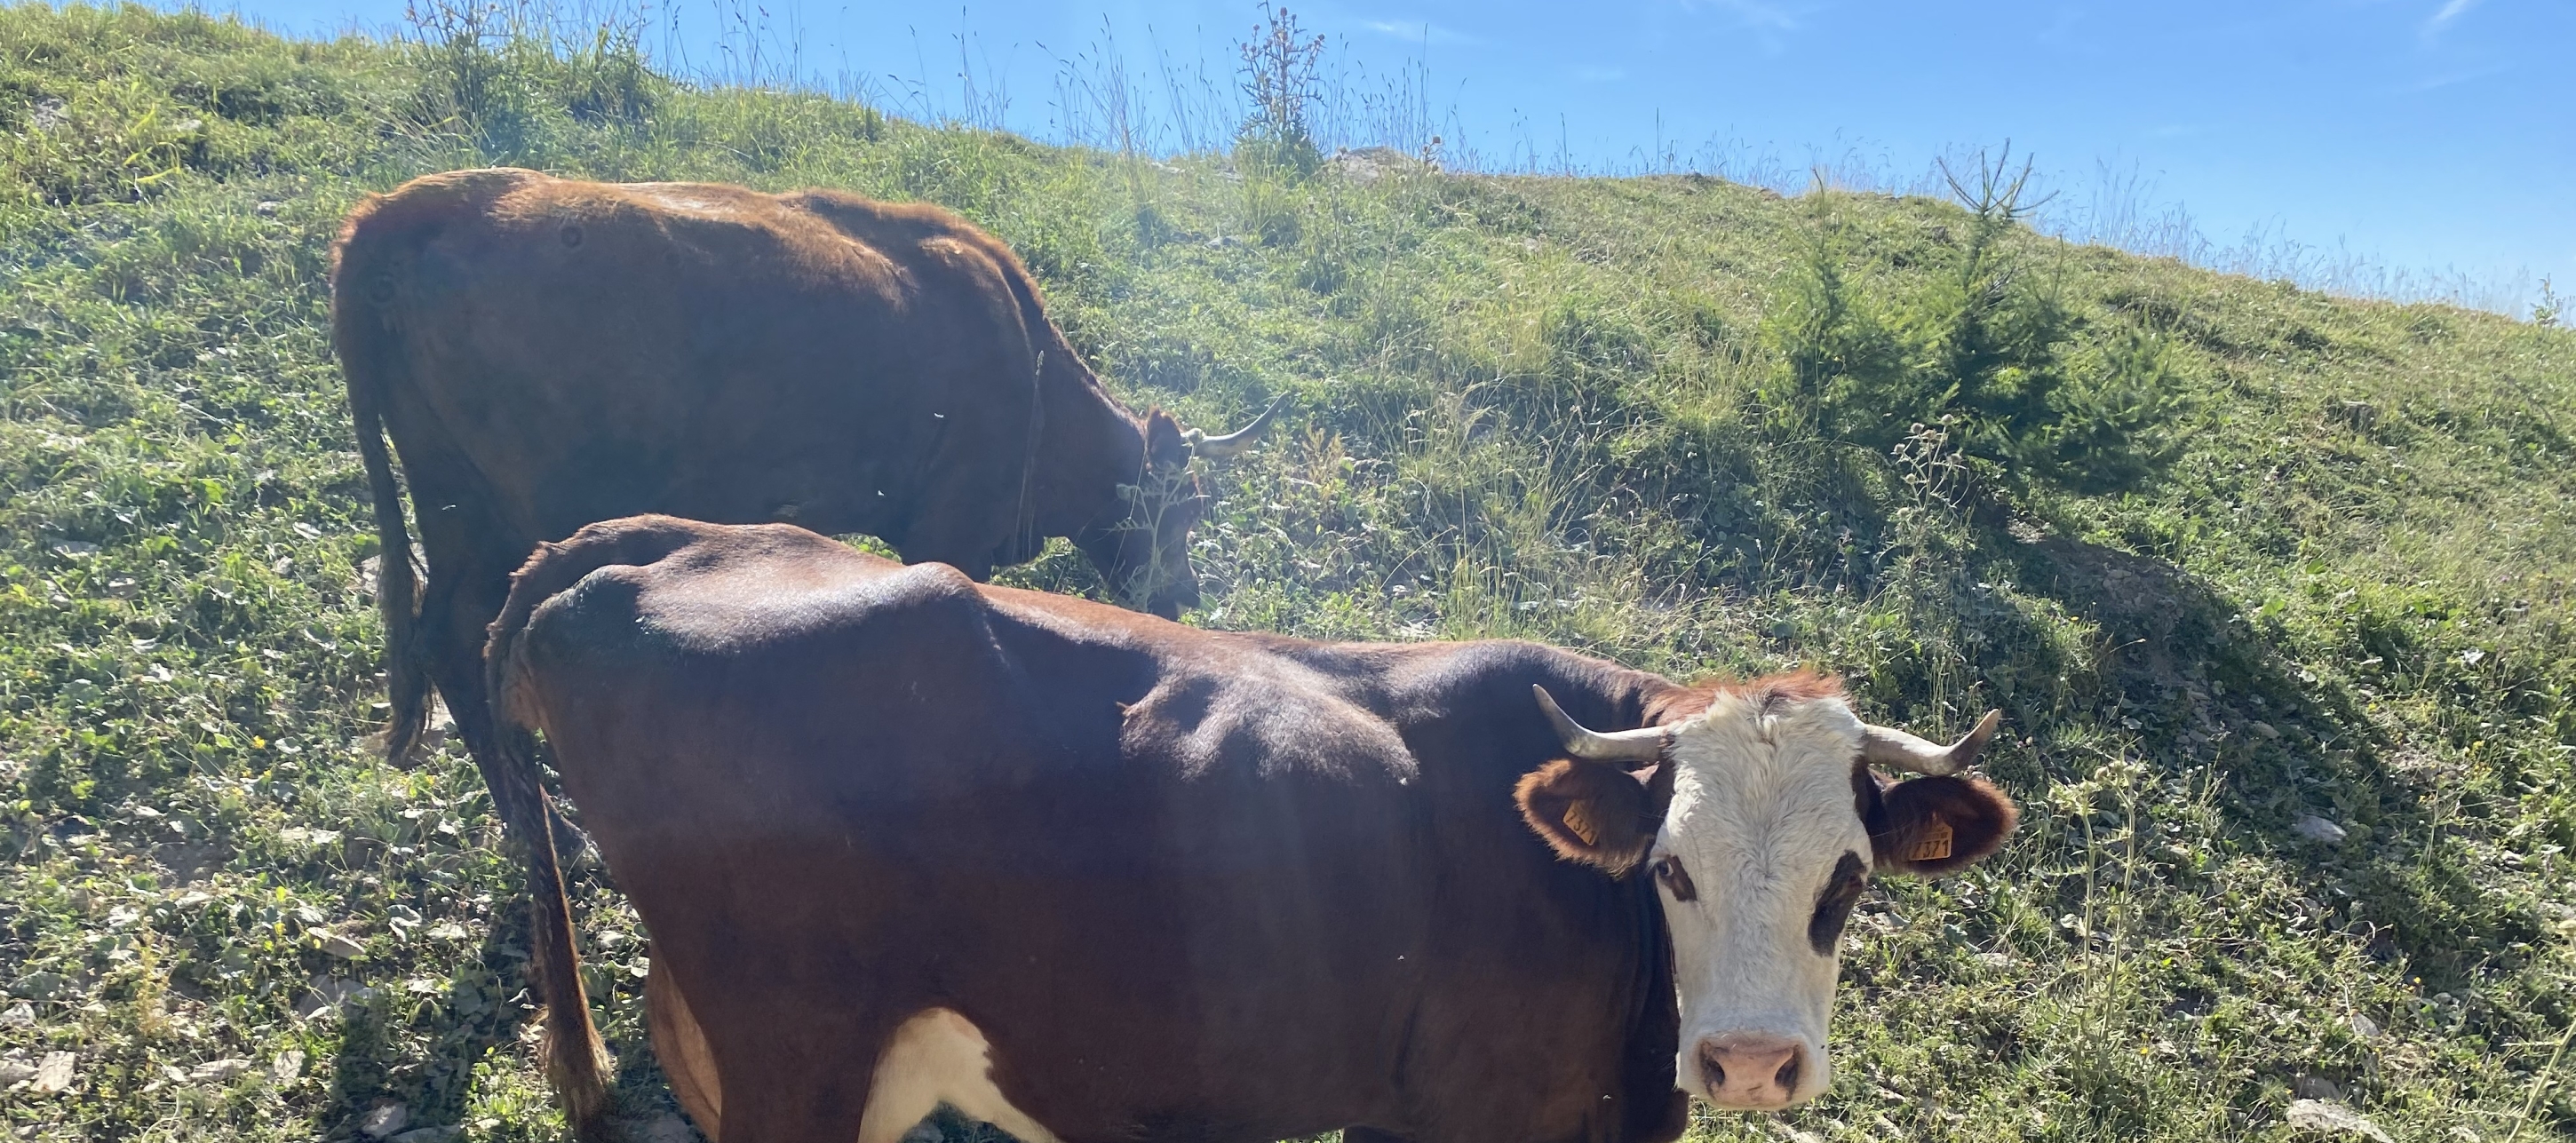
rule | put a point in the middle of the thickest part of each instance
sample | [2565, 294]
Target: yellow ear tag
[1580, 824]
[1934, 844]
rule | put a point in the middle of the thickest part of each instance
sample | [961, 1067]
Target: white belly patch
[938, 1057]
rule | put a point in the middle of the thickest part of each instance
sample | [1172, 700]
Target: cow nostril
[1753, 1069]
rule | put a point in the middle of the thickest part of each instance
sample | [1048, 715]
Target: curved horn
[1234, 443]
[1895, 749]
[1645, 744]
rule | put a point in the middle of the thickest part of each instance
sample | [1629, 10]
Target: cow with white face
[1762, 818]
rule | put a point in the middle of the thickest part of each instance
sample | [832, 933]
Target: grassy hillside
[2230, 556]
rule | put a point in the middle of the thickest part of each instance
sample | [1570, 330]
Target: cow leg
[802, 1096]
[463, 598]
[681, 1046]
[775, 1091]
[939, 1056]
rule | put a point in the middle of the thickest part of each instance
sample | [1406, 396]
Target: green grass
[1526, 406]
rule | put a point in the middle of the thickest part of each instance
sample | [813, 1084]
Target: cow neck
[1087, 442]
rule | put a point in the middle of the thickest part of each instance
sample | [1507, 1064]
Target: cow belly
[938, 1057]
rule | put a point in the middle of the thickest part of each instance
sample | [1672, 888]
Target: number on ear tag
[1933, 844]
[1579, 823]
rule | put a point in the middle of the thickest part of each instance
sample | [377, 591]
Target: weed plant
[2274, 587]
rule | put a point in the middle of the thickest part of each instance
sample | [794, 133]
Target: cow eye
[1834, 904]
[1675, 879]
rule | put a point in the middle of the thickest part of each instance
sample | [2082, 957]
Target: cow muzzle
[1757, 1071]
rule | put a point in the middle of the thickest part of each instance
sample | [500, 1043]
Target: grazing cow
[546, 353]
[1088, 875]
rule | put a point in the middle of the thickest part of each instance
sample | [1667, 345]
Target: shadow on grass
[2205, 688]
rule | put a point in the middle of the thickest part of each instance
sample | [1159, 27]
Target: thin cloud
[1417, 31]
[2437, 83]
[2451, 10]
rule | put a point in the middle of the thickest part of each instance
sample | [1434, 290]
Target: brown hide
[546, 353]
[1192, 885]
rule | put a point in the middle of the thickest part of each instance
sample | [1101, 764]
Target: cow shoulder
[1483, 689]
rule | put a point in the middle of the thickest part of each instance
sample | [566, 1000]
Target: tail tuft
[576, 1062]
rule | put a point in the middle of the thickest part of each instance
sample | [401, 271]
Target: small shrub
[1981, 345]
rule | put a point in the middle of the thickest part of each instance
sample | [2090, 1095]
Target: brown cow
[547, 353]
[1093, 876]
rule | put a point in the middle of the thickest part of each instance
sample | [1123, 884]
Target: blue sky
[2424, 134]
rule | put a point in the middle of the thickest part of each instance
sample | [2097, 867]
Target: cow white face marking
[939, 1056]
[1761, 852]
[1759, 823]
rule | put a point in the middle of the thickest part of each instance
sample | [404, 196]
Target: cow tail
[576, 1062]
[369, 262]
[369, 357]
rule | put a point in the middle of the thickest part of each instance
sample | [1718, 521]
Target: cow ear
[1931, 826]
[1167, 449]
[1593, 812]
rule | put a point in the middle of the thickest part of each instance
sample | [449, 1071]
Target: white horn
[1645, 744]
[1234, 443]
[1893, 748]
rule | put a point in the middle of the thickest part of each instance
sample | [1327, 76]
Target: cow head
[1143, 548]
[1761, 820]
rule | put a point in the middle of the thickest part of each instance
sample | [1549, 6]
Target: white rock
[16, 1072]
[287, 1066]
[2315, 1087]
[218, 1071]
[19, 1015]
[328, 995]
[54, 1072]
[385, 1120]
[2315, 828]
[2325, 1118]
[342, 947]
